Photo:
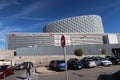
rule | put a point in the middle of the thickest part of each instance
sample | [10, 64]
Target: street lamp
[83, 37]
[100, 52]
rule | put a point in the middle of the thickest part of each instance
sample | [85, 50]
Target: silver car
[102, 62]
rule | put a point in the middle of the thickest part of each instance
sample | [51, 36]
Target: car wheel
[56, 69]
[13, 72]
[4, 75]
[102, 64]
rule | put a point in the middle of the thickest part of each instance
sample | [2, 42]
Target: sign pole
[66, 73]
[64, 48]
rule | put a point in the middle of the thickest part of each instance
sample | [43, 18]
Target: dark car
[59, 65]
[114, 60]
[114, 76]
[74, 64]
[6, 70]
[23, 65]
[51, 64]
[88, 63]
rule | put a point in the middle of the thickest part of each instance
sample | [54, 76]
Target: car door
[9, 70]
[6, 71]
[99, 62]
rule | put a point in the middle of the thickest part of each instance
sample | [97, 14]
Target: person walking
[28, 71]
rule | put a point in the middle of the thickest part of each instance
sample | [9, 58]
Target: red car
[6, 70]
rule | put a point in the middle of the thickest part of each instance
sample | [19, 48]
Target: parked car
[51, 64]
[88, 63]
[74, 64]
[114, 60]
[23, 65]
[59, 65]
[103, 62]
[6, 70]
[114, 76]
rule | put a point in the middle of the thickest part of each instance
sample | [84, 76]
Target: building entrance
[116, 51]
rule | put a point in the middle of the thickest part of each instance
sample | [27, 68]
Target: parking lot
[83, 74]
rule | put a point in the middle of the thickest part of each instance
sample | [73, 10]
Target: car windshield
[61, 61]
[103, 59]
[89, 60]
[3, 67]
[76, 62]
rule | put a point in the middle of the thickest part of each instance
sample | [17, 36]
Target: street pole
[66, 73]
[63, 42]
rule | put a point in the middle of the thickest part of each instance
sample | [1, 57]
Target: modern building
[85, 32]
[78, 24]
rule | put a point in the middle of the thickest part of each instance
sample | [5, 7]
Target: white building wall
[50, 39]
[112, 38]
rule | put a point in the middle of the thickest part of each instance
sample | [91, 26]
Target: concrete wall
[6, 54]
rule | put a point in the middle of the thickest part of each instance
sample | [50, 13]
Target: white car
[88, 63]
[104, 62]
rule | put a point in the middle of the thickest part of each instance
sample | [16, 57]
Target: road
[83, 74]
[14, 76]
[19, 74]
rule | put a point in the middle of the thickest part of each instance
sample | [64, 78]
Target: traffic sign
[63, 41]
[64, 48]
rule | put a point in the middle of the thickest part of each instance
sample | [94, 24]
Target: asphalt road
[83, 74]
[14, 76]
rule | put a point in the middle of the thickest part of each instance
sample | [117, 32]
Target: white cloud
[31, 8]
[6, 3]
[7, 30]
[26, 18]
[3, 31]
[27, 10]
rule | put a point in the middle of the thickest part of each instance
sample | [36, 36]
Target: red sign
[63, 41]
[50, 34]
[13, 35]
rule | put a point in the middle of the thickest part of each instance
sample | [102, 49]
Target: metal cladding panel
[81, 24]
[39, 51]
[87, 50]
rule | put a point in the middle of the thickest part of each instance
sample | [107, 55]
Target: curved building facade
[79, 24]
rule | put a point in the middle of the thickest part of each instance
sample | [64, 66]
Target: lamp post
[100, 52]
[83, 37]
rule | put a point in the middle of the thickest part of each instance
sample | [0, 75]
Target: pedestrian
[28, 70]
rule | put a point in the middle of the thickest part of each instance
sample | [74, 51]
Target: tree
[78, 52]
[103, 51]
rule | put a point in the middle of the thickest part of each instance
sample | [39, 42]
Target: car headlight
[21, 67]
[1, 72]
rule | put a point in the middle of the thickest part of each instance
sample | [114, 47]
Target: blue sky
[31, 15]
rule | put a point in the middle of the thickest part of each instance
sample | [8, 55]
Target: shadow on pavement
[21, 78]
[78, 74]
